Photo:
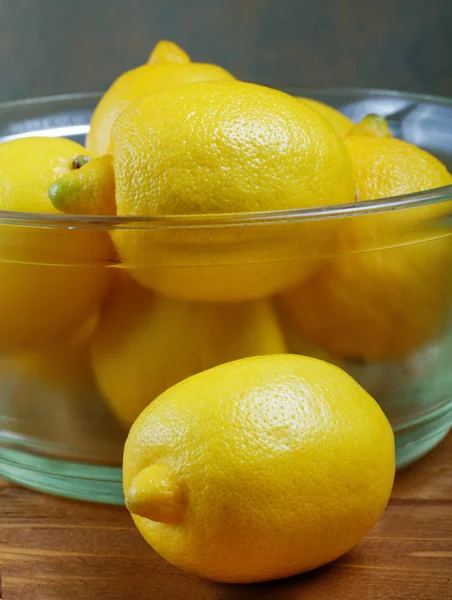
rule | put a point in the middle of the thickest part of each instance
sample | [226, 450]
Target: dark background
[59, 46]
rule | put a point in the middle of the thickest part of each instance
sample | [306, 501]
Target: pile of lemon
[249, 462]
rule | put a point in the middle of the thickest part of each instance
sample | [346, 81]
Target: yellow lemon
[341, 124]
[210, 149]
[168, 65]
[52, 278]
[146, 343]
[259, 469]
[224, 147]
[388, 289]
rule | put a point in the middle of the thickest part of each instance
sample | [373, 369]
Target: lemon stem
[371, 126]
[166, 53]
[79, 161]
[156, 495]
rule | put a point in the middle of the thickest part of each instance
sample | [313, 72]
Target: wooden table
[56, 549]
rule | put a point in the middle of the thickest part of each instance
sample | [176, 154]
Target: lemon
[146, 343]
[216, 148]
[52, 278]
[210, 149]
[225, 147]
[259, 469]
[168, 65]
[383, 295]
[341, 124]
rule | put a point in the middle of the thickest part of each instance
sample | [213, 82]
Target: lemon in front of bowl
[52, 276]
[259, 469]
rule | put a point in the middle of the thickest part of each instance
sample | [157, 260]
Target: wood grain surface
[57, 549]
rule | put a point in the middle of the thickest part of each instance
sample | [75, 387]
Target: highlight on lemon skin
[166, 52]
[371, 126]
[87, 189]
[156, 495]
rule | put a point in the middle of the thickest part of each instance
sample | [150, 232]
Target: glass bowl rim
[227, 220]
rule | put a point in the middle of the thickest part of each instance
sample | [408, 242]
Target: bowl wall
[99, 316]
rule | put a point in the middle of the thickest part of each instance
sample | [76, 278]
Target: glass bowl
[215, 288]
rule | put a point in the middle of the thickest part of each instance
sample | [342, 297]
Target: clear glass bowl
[366, 286]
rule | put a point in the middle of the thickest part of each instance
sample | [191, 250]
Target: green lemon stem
[79, 161]
[156, 495]
[371, 126]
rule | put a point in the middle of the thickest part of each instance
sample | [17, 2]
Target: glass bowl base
[98, 483]
[79, 481]
[419, 436]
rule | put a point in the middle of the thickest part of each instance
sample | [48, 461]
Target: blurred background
[59, 46]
